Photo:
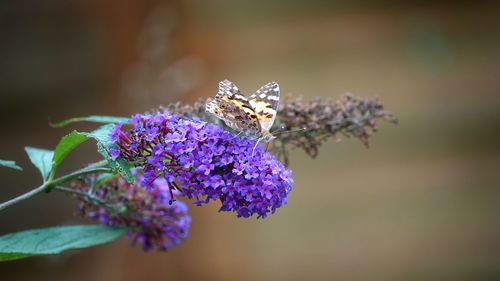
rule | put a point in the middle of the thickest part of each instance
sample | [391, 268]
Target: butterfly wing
[233, 108]
[265, 103]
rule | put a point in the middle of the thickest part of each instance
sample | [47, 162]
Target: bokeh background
[422, 203]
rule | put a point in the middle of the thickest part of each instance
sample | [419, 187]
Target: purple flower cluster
[202, 161]
[151, 219]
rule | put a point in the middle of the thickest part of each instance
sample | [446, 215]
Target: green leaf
[42, 159]
[103, 179]
[119, 165]
[10, 164]
[75, 138]
[54, 240]
[101, 134]
[92, 118]
[12, 256]
[66, 145]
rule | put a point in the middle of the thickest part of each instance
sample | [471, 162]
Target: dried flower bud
[308, 124]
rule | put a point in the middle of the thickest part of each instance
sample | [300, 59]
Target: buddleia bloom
[203, 162]
[152, 221]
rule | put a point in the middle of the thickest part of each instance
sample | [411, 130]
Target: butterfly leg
[255, 146]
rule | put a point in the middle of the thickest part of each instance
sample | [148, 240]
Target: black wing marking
[265, 103]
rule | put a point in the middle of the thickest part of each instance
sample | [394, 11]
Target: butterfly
[253, 116]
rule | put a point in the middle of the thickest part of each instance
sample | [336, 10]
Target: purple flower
[114, 152]
[152, 219]
[115, 132]
[238, 168]
[205, 163]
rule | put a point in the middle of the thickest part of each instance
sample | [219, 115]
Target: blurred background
[422, 203]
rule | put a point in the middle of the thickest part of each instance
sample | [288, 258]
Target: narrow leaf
[119, 165]
[54, 240]
[42, 159]
[12, 256]
[66, 145]
[92, 118]
[10, 164]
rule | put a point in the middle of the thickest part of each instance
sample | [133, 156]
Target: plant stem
[24, 196]
[48, 185]
[75, 174]
[86, 196]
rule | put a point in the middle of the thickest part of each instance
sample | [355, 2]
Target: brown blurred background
[422, 203]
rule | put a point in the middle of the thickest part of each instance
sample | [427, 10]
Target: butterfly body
[253, 116]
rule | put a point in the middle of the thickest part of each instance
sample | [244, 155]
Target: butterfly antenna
[289, 131]
[281, 129]
[255, 146]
